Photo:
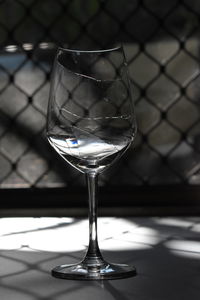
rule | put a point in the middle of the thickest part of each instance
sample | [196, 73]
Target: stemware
[91, 123]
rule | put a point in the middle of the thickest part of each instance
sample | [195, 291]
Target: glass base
[82, 271]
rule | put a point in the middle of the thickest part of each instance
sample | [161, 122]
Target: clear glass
[91, 123]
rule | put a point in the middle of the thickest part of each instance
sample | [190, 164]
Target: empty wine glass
[91, 123]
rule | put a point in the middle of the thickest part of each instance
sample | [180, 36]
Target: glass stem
[93, 255]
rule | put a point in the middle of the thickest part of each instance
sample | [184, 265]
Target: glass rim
[90, 51]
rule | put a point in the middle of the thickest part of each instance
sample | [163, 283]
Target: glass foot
[82, 271]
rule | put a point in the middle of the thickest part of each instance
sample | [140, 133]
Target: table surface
[165, 251]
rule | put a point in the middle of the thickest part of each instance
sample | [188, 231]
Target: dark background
[160, 174]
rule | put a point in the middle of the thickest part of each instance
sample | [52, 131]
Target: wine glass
[91, 123]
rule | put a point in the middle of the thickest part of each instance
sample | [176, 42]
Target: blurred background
[160, 174]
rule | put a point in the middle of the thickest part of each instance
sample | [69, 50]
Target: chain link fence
[162, 46]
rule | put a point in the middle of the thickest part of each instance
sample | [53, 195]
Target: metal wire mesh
[161, 42]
